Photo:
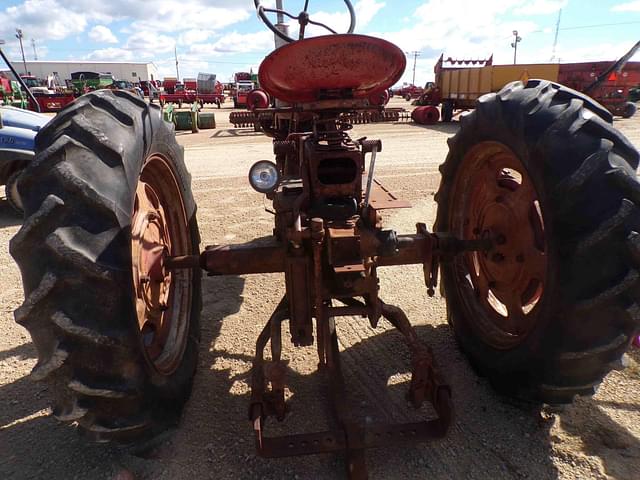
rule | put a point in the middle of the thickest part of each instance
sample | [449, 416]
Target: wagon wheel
[302, 18]
[106, 199]
[551, 308]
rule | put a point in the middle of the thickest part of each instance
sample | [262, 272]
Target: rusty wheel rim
[495, 197]
[163, 298]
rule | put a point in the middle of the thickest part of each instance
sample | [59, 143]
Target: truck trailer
[458, 87]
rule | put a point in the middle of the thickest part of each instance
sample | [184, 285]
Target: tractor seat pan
[310, 69]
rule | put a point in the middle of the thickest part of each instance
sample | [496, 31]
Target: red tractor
[536, 248]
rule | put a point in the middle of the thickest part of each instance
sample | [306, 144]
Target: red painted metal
[613, 93]
[52, 102]
[257, 98]
[427, 115]
[307, 70]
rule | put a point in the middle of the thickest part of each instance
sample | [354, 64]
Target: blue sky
[224, 36]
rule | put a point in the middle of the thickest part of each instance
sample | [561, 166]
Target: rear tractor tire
[106, 198]
[552, 307]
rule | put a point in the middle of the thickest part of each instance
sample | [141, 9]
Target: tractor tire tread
[588, 171]
[70, 246]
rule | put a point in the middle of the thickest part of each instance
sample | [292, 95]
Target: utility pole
[415, 59]
[555, 39]
[281, 26]
[514, 44]
[175, 52]
[20, 36]
[35, 52]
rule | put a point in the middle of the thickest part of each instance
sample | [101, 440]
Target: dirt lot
[492, 437]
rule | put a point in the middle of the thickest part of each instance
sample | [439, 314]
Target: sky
[226, 36]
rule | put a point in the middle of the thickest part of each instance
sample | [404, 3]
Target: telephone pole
[415, 59]
[175, 52]
[20, 36]
[35, 52]
[555, 39]
[514, 44]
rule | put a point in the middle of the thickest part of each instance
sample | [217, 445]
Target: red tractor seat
[301, 71]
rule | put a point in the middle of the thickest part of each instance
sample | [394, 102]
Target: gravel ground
[492, 438]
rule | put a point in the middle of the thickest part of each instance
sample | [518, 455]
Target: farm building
[131, 71]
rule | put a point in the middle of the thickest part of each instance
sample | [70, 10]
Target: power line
[597, 25]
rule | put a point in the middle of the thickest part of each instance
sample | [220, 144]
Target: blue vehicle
[18, 129]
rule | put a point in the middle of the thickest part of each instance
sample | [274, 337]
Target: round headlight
[264, 176]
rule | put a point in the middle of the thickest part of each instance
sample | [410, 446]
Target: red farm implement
[203, 90]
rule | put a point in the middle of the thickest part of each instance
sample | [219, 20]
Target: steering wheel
[303, 19]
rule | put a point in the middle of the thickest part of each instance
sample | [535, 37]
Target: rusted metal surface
[499, 200]
[327, 66]
[252, 257]
[351, 438]
[329, 241]
[158, 232]
[383, 199]
[242, 119]
[250, 119]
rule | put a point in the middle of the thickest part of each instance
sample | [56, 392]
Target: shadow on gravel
[236, 132]
[450, 128]
[491, 437]
[601, 436]
[8, 216]
[35, 445]
[26, 350]
[617, 449]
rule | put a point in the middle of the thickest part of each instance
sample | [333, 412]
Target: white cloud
[541, 7]
[365, 11]
[149, 43]
[102, 34]
[169, 16]
[235, 42]
[596, 52]
[194, 36]
[45, 19]
[627, 7]
[111, 55]
[439, 27]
